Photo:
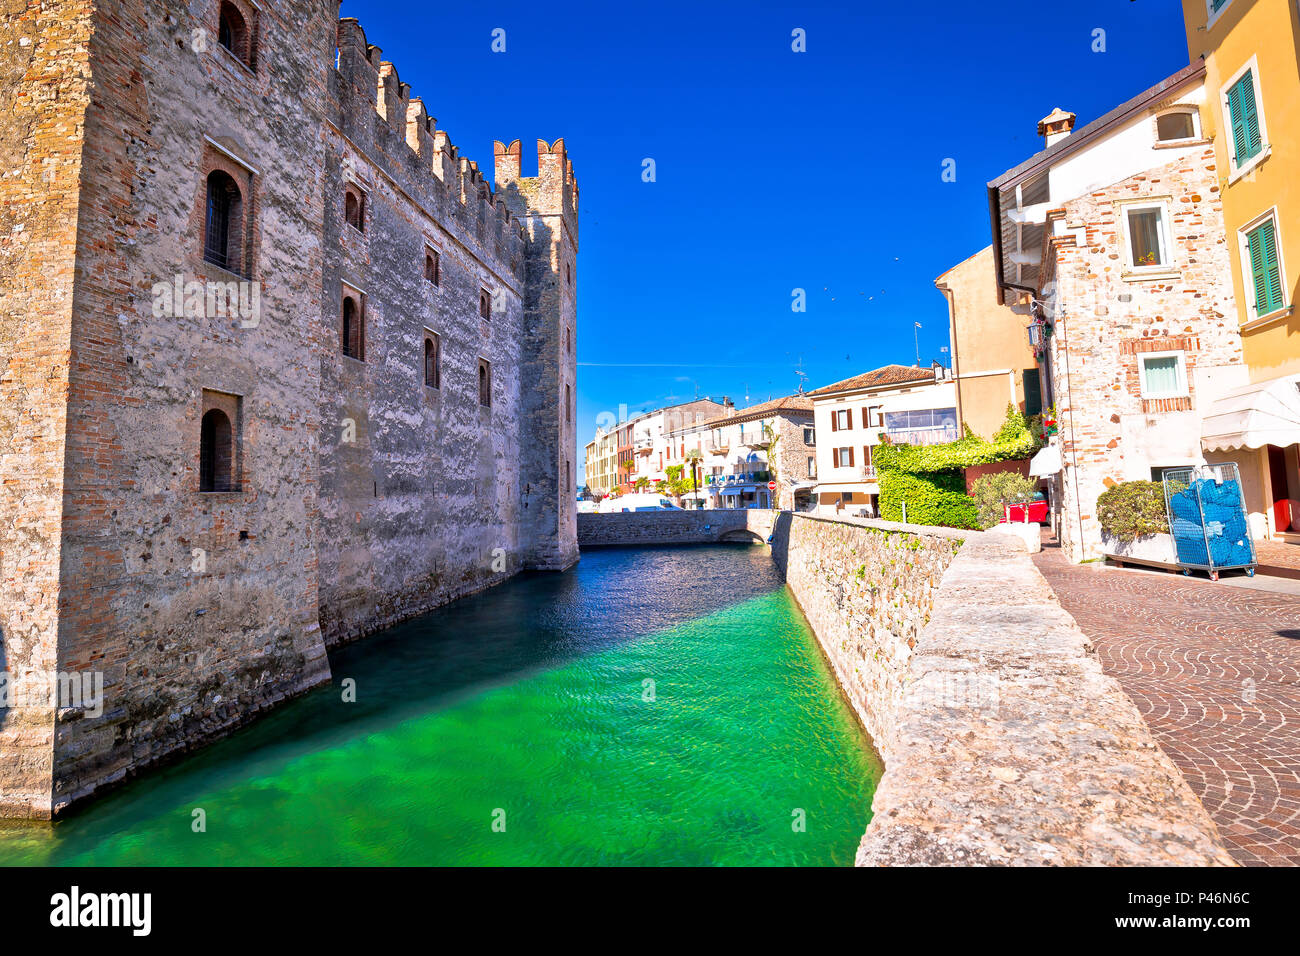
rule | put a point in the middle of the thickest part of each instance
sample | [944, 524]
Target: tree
[694, 458]
[994, 493]
[677, 484]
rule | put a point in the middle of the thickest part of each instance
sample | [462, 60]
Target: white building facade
[900, 404]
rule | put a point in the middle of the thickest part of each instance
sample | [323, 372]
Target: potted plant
[1134, 524]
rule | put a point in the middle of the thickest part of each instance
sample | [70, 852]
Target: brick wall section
[1112, 433]
[44, 77]
[203, 609]
[1003, 740]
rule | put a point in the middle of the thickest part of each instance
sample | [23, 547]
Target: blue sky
[775, 170]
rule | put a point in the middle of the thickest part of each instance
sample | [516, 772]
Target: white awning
[1266, 413]
[1046, 463]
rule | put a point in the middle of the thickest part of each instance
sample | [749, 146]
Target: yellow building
[1253, 112]
[1252, 52]
[993, 363]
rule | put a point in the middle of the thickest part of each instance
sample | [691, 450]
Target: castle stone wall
[361, 496]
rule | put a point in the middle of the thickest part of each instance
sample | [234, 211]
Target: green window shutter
[1265, 270]
[1243, 106]
[1272, 272]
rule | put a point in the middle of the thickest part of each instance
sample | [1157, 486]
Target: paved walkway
[1276, 557]
[1216, 673]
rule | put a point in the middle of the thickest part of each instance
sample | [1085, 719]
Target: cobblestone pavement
[1216, 673]
[1279, 556]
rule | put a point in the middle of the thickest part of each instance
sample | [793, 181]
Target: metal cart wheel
[1214, 575]
[1250, 572]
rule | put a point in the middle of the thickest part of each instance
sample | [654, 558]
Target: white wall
[1124, 153]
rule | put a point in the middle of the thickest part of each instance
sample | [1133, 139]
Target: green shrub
[933, 498]
[1017, 439]
[993, 493]
[1133, 510]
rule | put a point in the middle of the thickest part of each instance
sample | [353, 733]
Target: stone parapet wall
[866, 589]
[638, 529]
[1003, 741]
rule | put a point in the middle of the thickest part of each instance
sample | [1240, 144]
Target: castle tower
[548, 207]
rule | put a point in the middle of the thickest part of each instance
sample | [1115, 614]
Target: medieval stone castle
[277, 369]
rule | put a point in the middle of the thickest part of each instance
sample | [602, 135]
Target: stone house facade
[1138, 352]
[277, 369]
[1114, 235]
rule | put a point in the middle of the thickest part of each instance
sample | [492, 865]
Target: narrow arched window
[484, 304]
[222, 226]
[431, 360]
[353, 333]
[484, 382]
[233, 33]
[354, 209]
[432, 270]
[216, 452]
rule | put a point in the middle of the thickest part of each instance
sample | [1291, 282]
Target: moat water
[651, 707]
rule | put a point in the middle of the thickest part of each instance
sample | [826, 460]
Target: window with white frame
[1146, 228]
[1163, 374]
[1243, 114]
[1214, 9]
[1262, 266]
[842, 458]
[843, 419]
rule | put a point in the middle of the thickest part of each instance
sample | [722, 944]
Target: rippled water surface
[529, 706]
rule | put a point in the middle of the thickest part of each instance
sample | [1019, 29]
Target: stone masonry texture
[1107, 429]
[362, 496]
[704, 526]
[1003, 741]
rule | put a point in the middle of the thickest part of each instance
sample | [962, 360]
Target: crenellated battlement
[552, 192]
[367, 78]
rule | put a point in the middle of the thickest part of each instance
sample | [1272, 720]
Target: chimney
[1056, 126]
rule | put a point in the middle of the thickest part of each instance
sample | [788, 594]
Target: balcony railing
[938, 435]
[741, 478]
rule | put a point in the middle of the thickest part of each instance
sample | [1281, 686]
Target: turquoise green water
[518, 728]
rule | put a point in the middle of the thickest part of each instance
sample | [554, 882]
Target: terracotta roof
[889, 375]
[791, 403]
